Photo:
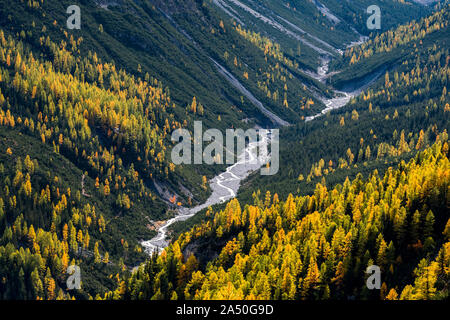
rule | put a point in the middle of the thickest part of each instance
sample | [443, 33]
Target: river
[224, 187]
[342, 97]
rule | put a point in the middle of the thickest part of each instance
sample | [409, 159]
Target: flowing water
[224, 187]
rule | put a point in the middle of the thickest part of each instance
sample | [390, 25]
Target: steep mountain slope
[52, 214]
[86, 118]
[98, 130]
[173, 42]
[410, 103]
[318, 246]
[109, 127]
[319, 27]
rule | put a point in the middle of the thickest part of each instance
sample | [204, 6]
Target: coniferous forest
[87, 178]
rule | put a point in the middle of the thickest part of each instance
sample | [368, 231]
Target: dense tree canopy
[318, 246]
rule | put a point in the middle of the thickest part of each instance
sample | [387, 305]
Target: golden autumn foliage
[319, 246]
